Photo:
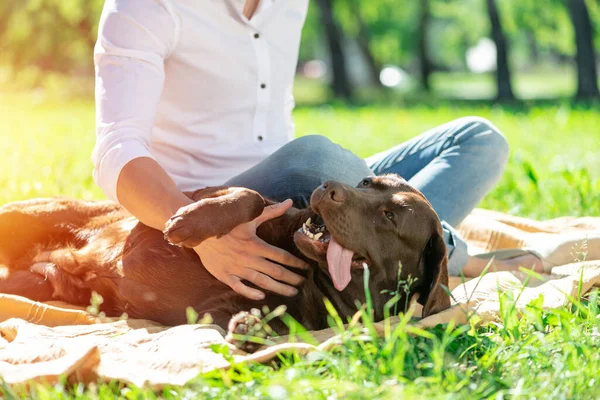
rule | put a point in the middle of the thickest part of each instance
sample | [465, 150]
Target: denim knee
[308, 161]
[310, 142]
[317, 148]
[489, 143]
[316, 155]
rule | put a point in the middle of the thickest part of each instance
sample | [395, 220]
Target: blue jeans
[454, 165]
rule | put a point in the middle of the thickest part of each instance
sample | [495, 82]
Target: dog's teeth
[306, 231]
[318, 236]
[308, 222]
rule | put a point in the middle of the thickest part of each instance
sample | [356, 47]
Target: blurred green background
[383, 49]
[400, 68]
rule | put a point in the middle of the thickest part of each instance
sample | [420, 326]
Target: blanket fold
[42, 342]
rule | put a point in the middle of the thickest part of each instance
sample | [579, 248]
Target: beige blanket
[44, 341]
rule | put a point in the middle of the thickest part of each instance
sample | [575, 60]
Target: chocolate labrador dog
[63, 249]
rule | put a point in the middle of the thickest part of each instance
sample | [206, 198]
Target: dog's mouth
[316, 230]
[325, 248]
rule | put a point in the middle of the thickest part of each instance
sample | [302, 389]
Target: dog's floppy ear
[433, 296]
[216, 212]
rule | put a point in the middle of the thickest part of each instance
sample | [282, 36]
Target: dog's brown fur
[63, 249]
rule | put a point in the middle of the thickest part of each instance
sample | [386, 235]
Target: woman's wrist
[174, 202]
[149, 193]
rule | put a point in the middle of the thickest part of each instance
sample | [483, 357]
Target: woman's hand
[242, 255]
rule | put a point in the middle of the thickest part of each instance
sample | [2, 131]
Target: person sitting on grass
[200, 94]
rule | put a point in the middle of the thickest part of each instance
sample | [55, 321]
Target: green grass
[553, 171]
[540, 83]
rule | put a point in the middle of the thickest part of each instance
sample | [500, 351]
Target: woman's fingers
[258, 263]
[265, 282]
[273, 211]
[236, 284]
[281, 256]
[275, 271]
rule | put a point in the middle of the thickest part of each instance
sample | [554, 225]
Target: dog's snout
[338, 196]
[334, 191]
[330, 192]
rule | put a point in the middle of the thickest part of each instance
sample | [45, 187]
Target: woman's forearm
[149, 193]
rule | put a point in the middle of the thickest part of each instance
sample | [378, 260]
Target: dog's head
[383, 223]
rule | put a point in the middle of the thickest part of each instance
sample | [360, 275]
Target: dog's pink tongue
[339, 261]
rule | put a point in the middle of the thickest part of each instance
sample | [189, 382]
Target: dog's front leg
[215, 213]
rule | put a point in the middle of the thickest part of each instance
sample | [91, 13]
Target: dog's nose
[334, 191]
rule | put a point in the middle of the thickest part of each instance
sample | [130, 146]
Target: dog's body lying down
[62, 249]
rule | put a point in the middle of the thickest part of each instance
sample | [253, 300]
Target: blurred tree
[424, 62]
[587, 75]
[6, 8]
[391, 30]
[594, 10]
[312, 45]
[340, 84]
[503, 79]
[52, 35]
[539, 31]
[420, 36]
[363, 38]
[453, 31]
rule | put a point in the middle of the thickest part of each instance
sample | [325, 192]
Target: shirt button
[256, 36]
[263, 85]
[260, 138]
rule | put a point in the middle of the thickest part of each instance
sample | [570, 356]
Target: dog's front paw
[244, 329]
[183, 230]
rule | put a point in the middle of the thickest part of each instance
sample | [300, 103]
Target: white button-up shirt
[195, 85]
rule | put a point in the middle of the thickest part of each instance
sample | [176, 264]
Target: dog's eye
[389, 215]
[365, 182]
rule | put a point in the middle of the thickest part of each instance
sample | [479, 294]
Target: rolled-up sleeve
[458, 254]
[134, 40]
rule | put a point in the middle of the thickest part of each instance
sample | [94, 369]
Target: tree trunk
[5, 13]
[587, 76]
[533, 47]
[424, 63]
[503, 80]
[341, 83]
[364, 43]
